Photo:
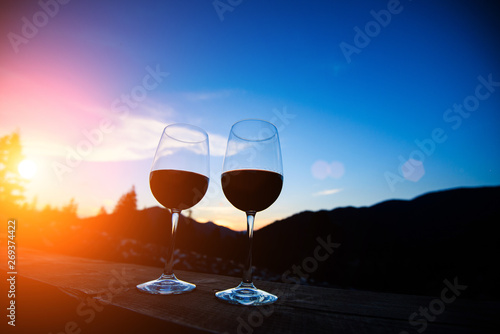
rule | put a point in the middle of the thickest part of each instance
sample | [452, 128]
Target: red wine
[251, 189]
[177, 189]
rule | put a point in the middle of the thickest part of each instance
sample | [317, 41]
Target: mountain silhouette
[401, 246]
[397, 245]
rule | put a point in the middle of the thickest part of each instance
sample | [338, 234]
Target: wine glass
[178, 180]
[252, 178]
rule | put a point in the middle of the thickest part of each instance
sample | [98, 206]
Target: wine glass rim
[275, 130]
[193, 127]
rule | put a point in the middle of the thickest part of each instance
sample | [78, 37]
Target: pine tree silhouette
[127, 203]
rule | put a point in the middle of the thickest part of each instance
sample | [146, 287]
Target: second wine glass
[178, 180]
[252, 178]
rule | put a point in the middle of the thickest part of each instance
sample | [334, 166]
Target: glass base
[246, 294]
[166, 285]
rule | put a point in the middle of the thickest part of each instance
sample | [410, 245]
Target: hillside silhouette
[402, 246]
[397, 246]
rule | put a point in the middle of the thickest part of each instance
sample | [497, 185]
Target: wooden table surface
[62, 294]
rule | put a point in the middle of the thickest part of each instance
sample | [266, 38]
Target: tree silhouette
[70, 209]
[102, 211]
[127, 203]
[11, 183]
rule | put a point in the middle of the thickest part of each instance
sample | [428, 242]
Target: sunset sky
[372, 100]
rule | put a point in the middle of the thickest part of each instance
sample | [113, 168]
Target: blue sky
[347, 124]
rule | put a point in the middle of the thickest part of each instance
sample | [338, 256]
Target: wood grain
[110, 288]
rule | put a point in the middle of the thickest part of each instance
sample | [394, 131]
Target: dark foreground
[64, 294]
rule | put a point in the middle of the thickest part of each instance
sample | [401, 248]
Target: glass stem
[247, 273]
[169, 264]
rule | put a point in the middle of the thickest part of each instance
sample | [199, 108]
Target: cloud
[322, 169]
[136, 137]
[132, 138]
[56, 127]
[327, 192]
[217, 144]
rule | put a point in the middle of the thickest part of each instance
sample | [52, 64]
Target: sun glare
[27, 168]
